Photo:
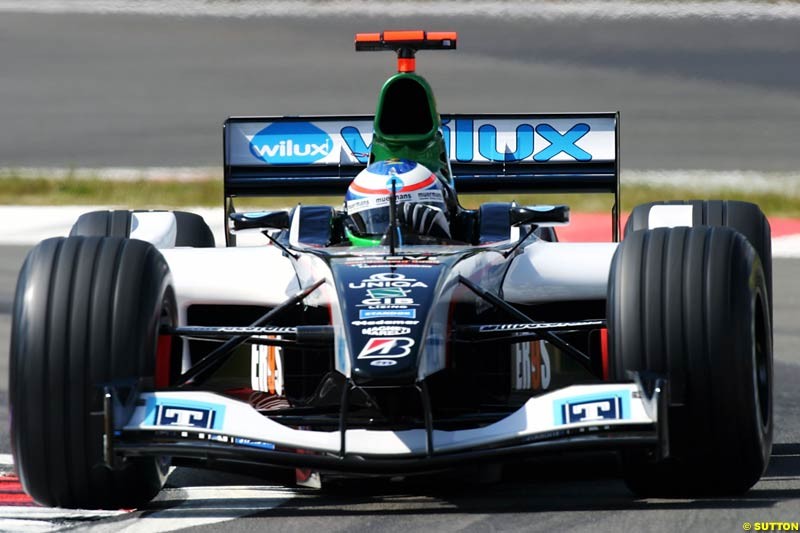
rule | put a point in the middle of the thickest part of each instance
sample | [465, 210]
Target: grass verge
[166, 194]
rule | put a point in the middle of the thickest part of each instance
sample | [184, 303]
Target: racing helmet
[421, 205]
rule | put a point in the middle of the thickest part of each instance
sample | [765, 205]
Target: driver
[422, 201]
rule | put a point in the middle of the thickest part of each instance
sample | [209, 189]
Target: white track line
[47, 518]
[190, 507]
[788, 246]
[193, 506]
[26, 526]
[545, 10]
[201, 506]
[28, 519]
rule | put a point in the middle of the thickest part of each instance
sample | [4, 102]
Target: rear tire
[103, 224]
[86, 313]
[192, 229]
[691, 304]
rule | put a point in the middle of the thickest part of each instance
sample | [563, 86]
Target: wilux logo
[291, 143]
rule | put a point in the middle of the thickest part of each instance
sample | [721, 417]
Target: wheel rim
[761, 370]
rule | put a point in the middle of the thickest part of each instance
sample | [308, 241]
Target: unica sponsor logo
[385, 280]
[291, 143]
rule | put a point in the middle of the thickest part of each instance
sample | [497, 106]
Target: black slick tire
[103, 224]
[86, 313]
[192, 230]
[744, 217]
[691, 304]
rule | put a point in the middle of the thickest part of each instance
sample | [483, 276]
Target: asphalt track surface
[131, 90]
[103, 90]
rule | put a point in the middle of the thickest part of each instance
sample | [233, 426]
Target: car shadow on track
[556, 484]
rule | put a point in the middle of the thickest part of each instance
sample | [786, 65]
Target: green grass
[164, 194]
[95, 191]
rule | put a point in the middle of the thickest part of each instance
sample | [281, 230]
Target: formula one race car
[403, 333]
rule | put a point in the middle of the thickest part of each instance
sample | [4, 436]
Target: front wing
[205, 425]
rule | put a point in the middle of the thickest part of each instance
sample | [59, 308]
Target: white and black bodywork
[306, 352]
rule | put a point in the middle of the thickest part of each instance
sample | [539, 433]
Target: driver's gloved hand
[423, 219]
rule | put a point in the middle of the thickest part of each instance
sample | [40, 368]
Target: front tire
[744, 217]
[86, 313]
[691, 304]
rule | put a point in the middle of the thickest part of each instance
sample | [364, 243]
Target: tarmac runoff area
[27, 225]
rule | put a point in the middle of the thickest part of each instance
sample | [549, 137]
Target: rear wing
[514, 153]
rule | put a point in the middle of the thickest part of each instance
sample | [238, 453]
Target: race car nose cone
[386, 303]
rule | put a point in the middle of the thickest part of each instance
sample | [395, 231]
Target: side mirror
[260, 220]
[541, 215]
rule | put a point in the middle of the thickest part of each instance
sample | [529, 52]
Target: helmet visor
[372, 222]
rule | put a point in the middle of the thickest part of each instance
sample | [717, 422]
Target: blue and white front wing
[202, 424]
